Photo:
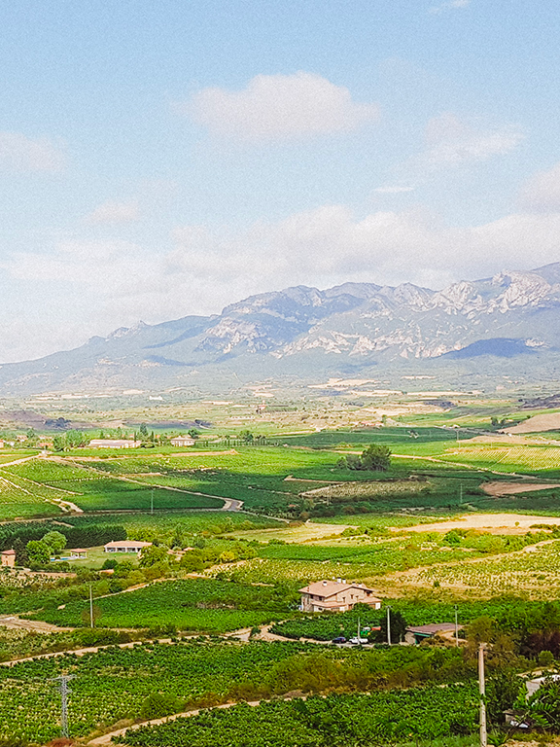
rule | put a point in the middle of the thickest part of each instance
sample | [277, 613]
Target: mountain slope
[305, 332]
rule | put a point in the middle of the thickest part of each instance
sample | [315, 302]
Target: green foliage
[398, 628]
[38, 552]
[198, 605]
[337, 721]
[55, 541]
[157, 705]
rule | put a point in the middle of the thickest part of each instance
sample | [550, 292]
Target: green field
[337, 721]
[194, 605]
[430, 471]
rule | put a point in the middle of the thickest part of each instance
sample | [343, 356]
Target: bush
[158, 705]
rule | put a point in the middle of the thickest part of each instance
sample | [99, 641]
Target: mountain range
[510, 321]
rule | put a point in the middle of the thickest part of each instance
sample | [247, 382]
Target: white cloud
[21, 153]
[279, 107]
[114, 212]
[450, 5]
[451, 142]
[542, 191]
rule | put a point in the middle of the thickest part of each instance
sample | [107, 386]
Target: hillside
[508, 322]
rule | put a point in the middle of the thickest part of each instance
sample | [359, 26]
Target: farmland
[220, 576]
[338, 720]
[193, 605]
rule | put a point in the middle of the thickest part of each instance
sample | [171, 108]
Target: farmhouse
[126, 546]
[336, 596]
[182, 441]
[114, 443]
[8, 558]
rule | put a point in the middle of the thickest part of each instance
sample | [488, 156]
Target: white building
[132, 546]
[182, 441]
[114, 443]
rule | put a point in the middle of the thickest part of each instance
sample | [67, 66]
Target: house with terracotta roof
[336, 596]
[8, 558]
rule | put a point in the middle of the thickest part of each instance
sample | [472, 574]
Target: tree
[157, 705]
[398, 628]
[377, 457]
[55, 541]
[194, 433]
[21, 553]
[144, 431]
[152, 555]
[38, 552]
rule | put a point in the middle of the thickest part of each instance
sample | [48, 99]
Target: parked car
[339, 639]
[358, 641]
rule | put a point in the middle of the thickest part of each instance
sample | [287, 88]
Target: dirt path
[34, 626]
[107, 738]
[512, 488]
[511, 523]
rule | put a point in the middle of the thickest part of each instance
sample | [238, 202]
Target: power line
[64, 690]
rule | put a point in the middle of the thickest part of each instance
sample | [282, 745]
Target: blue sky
[159, 159]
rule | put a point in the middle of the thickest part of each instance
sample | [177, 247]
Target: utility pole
[482, 692]
[90, 606]
[456, 628]
[64, 690]
[389, 625]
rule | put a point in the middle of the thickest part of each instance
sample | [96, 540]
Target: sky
[162, 159]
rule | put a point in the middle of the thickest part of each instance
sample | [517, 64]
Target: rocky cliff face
[354, 324]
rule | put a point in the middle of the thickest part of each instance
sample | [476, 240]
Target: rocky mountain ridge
[353, 326]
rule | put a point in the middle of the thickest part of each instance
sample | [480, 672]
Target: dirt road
[512, 488]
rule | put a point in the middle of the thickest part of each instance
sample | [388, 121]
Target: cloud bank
[278, 108]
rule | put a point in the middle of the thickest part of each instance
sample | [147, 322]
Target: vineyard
[118, 683]
[20, 501]
[338, 720]
[536, 572]
[523, 458]
[113, 683]
[195, 605]
[93, 490]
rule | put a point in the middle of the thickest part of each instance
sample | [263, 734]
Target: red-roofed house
[8, 558]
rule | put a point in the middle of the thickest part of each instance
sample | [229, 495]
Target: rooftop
[329, 588]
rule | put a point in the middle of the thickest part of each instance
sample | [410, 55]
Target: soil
[512, 488]
[505, 523]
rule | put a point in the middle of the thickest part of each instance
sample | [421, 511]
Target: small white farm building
[114, 443]
[182, 441]
[126, 546]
